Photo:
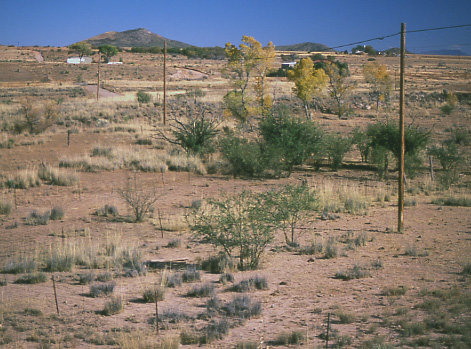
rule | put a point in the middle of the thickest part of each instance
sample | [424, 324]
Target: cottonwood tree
[245, 62]
[377, 76]
[308, 82]
[339, 86]
[82, 48]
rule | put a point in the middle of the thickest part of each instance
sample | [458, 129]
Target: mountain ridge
[139, 37]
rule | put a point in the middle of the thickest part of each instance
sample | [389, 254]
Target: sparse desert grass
[290, 338]
[345, 317]
[453, 200]
[5, 207]
[243, 307]
[357, 272]
[36, 218]
[342, 198]
[86, 278]
[191, 275]
[174, 243]
[21, 264]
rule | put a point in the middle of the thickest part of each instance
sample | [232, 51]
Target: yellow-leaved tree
[249, 60]
[308, 82]
[377, 76]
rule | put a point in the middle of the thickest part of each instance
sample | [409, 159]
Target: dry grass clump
[57, 176]
[332, 198]
[25, 179]
[5, 207]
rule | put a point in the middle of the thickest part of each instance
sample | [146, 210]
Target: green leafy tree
[308, 81]
[242, 225]
[81, 48]
[108, 51]
[336, 147]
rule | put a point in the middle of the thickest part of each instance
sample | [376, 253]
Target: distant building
[77, 60]
[288, 65]
[115, 62]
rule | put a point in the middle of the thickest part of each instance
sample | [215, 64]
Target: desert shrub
[197, 135]
[249, 345]
[345, 317]
[219, 263]
[140, 202]
[191, 275]
[102, 289]
[448, 155]
[244, 156]
[32, 278]
[239, 224]
[331, 249]
[395, 291]
[143, 97]
[295, 140]
[5, 207]
[174, 280]
[114, 306]
[291, 204]
[107, 211]
[188, 337]
[199, 291]
[250, 284]
[313, 248]
[225, 278]
[386, 137]
[33, 312]
[243, 307]
[215, 330]
[343, 341]
[36, 218]
[336, 147]
[57, 213]
[174, 243]
[150, 295]
[361, 141]
[105, 276]
[467, 269]
[86, 278]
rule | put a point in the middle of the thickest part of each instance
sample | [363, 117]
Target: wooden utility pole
[164, 119]
[400, 203]
[98, 82]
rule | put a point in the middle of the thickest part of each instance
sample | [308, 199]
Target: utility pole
[165, 84]
[400, 203]
[98, 82]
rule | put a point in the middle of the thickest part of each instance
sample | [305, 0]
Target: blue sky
[213, 23]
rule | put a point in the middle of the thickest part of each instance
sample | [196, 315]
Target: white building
[77, 60]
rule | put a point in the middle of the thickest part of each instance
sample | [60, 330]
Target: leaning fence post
[55, 294]
[327, 336]
[156, 313]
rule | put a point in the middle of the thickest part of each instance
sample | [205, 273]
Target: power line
[396, 34]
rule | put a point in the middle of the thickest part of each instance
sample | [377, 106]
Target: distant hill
[395, 51]
[446, 53]
[305, 46]
[134, 38]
